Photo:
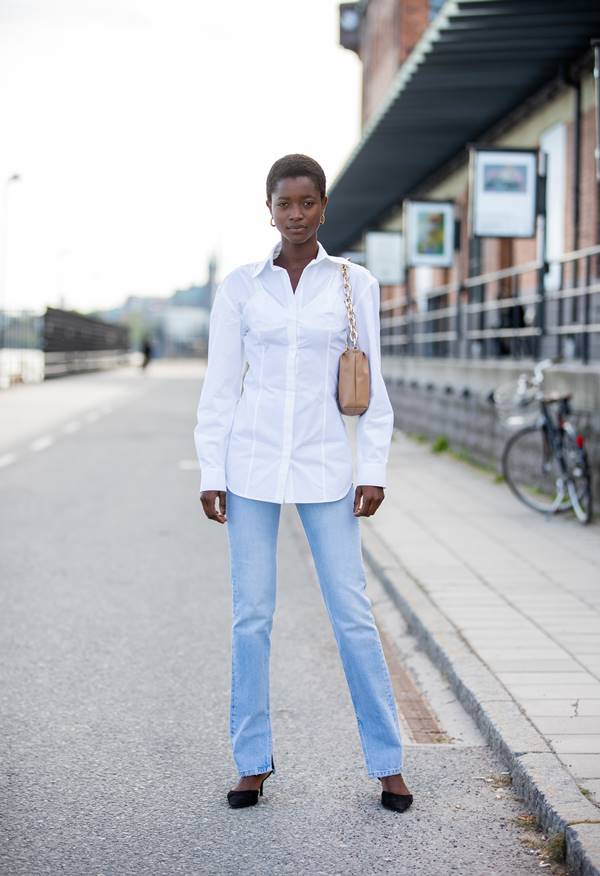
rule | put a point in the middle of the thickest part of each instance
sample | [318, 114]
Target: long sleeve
[375, 427]
[220, 392]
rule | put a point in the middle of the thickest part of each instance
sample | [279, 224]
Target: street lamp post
[13, 178]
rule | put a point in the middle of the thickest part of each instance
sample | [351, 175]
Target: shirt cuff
[370, 474]
[212, 478]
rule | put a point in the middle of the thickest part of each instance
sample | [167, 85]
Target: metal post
[458, 318]
[474, 252]
[585, 336]
[474, 293]
[596, 46]
[409, 319]
[540, 316]
[519, 347]
[576, 168]
[560, 310]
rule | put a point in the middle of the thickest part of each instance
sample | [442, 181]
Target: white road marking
[188, 465]
[72, 426]
[41, 443]
[7, 459]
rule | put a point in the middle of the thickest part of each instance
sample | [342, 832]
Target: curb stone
[538, 776]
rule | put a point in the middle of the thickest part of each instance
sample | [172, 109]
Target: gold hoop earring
[271, 223]
[323, 219]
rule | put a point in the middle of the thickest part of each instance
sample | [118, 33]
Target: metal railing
[526, 311]
[37, 345]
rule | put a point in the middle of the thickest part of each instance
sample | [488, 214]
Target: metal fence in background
[66, 331]
[38, 345]
[527, 311]
[74, 343]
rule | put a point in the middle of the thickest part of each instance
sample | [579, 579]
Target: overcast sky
[144, 131]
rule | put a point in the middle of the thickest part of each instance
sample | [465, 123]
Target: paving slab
[565, 708]
[575, 743]
[507, 603]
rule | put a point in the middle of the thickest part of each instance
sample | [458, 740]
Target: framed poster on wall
[385, 256]
[429, 227]
[503, 186]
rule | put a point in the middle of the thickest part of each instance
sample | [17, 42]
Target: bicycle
[544, 462]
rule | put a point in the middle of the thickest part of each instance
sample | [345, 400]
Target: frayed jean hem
[381, 773]
[257, 772]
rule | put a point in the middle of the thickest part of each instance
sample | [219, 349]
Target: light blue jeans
[333, 534]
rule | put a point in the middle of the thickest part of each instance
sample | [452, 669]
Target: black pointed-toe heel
[240, 799]
[397, 802]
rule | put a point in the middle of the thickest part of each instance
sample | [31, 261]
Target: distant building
[195, 296]
[177, 325]
[184, 330]
[442, 84]
[439, 78]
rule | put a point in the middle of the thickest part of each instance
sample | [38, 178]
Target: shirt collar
[268, 261]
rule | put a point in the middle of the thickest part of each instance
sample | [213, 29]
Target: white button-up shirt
[268, 422]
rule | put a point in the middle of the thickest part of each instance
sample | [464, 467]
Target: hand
[209, 503]
[370, 497]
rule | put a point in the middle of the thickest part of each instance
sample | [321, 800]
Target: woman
[275, 434]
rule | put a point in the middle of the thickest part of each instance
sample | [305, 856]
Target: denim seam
[384, 669]
[391, 701]
[387, 682]
[358, 720]
[237, 575]
[269, 730]
[233, 709]
[354, 703]
[393, 710]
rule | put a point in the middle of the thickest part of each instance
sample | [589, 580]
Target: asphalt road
[114, 643]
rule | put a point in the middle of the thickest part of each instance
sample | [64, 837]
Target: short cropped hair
[295, 165]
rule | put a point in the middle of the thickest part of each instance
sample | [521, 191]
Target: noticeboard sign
[385, 256]
[503, 192]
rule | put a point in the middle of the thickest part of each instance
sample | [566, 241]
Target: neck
[298, 253]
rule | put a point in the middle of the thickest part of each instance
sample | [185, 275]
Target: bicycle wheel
[579, 481]
[532, 471]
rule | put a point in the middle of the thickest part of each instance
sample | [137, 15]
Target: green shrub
[440, 445]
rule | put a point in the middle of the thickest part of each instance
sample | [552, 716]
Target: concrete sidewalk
[508, 605]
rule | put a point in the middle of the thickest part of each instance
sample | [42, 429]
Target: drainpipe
[596, 47]
[576, 167]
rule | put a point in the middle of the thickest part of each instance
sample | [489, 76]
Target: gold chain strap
[349, 309]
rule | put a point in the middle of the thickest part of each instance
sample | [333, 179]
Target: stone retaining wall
[452, 399]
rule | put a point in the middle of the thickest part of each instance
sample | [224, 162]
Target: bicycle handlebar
[540, 367]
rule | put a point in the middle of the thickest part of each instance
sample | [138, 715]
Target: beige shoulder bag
[353, 376]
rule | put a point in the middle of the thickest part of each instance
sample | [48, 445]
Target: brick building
[439, 78]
